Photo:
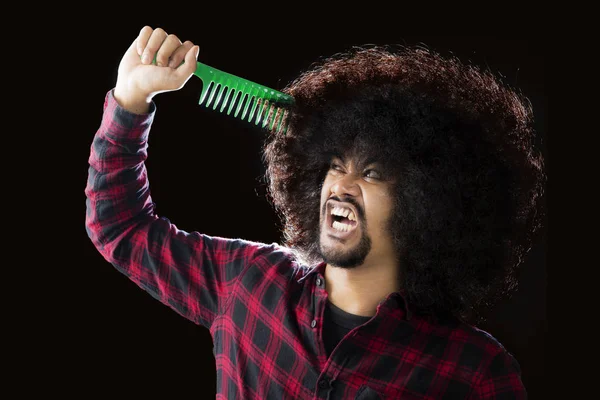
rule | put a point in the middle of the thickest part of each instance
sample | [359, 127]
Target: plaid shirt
[264, 308]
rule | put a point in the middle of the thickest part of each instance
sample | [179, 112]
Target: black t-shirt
[337, 323]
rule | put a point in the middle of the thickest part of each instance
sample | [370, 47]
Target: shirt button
[313, 323]
[319, 282]
[323, 383]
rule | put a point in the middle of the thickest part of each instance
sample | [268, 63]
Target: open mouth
[341, 217]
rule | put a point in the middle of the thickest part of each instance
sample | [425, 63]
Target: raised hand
[139, 79]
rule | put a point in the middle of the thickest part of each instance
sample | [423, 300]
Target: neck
[359, 290]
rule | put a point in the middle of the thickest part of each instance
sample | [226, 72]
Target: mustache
[351, 200]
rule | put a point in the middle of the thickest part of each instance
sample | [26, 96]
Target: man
[409, 187]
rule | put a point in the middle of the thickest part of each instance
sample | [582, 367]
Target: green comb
[260, 103]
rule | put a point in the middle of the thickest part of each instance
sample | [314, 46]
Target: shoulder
[482, 345]
[277, 258]
[475, 351]
[496, 370]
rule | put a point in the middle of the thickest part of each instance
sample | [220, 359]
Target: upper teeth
[343, 212]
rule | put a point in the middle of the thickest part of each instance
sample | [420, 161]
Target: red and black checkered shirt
[265, 309]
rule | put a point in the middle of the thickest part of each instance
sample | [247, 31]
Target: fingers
[167, 50]
[142, 39]
[153, 43]
[179, 54]
[169, 45]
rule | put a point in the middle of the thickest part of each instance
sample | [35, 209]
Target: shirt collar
[392, 300]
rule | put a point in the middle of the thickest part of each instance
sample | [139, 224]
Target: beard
[347, 257]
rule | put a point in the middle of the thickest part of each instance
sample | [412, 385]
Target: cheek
[326, 189]
[381, 211]
[324, 197]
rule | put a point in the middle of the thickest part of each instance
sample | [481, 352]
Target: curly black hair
[462, 145]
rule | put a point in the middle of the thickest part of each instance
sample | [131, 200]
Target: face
[356, 206]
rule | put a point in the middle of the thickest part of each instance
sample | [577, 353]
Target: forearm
[117, 191]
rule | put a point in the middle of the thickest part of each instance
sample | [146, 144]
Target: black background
[205, 174]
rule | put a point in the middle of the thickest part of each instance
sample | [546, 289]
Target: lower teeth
[341, 227]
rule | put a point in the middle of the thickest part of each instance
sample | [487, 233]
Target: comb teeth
[261, 105]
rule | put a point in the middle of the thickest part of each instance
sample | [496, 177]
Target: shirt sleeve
[501, 379]
[191, 273]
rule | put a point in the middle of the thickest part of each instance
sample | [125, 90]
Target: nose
[345, 186]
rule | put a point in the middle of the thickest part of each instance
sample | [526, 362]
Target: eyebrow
[373, 160]
[368, 161]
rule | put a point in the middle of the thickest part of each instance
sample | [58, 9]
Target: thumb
[188, 67]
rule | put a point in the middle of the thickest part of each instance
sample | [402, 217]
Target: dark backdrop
[205, 174]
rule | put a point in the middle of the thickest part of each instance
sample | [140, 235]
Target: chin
[343, 255]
